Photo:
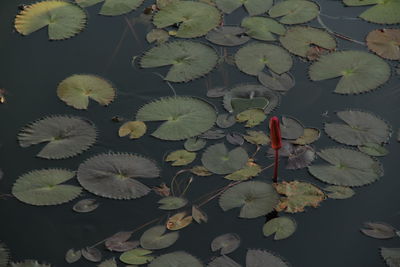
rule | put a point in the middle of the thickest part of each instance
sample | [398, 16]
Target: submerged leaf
[194, 18]
[227, 36]
[92, 254]
[254, 199]
[135, 129]
[339, 192]
[226, 243]
[86, 205]
[64, 19]
[384, 12]
[294, 11]
[360, 128]
[253, 7]
[378, 230]
[65, 136]
[346, 167]
[282, 227]
[43, 187]
[77, 89]
[181, 157]
[291, 128]
[156, 238]
[358, 71]
[137, 256]
[114, 175]
[262, 28]
[263, 258]
[298, 195]
[254, 57]
[385, 43]
[219, 160]
[172, 203]
[252, 117]
[176, 259]
[188, 60]
[391, 256]
[183, 117]
[179, 221]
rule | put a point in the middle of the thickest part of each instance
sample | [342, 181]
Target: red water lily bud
[275, 133]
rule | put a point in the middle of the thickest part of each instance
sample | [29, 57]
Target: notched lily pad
[262, 28]
[194, 144]
[383, 12]
[247, 172]
[227, 36]
[172, 203]
[391, 256]
[310, 135]
[157, 238]
[71, 256]
[181, 157]
[339, 192]
[257, 137]
[385, 43]
[176, 259]
[226, 243]
[135, 129]
[277, 82]
[296, 157]
[282, 227]
[294, 11]
[262, 258]
[179, 221]
[378, 230]
[137, 256]
[92, 254]
[119, 242]
[373, 149]
[86, 205]
[253, 7]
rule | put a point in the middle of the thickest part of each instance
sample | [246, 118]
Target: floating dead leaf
[179, 221]
[119, 242]
[73, 255]
[163, 190]
[86, 205]
[198, 215]
[378, 230]
[135, 129]
[91, 254]
[385, 43]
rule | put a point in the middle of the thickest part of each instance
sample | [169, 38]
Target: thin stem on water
[276, 165]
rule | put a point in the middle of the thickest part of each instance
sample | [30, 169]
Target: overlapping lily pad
[300, 39]
[254, 57]
[176, 259]
[385, 43]
[277, 82]
[383, 12]
[228, 36]
[218, 159]
[65, 136]
[63, 19]
[188, 60]
[294, 11]
[77, 89]
[359, 128]
[114, 175]
[194, 18]
[358, 71]
[44, 187]
[253, 7]
[183, 117]
[346, 167]
[254, 199]
[112, 7]
[262, 28]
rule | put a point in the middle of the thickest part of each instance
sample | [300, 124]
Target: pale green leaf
[137, 256]
[172, 203]
[218, 159]
[262, 28]
[253, 7]
[176, 259]
[252, 117]
[157, 238]
[282, 227]
[294, 11]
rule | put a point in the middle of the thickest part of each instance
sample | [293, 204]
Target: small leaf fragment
[373, 149]
[198, 215]
[200, 171]
[227, 243]
[91, 254]
[86, 205]
[339, 192]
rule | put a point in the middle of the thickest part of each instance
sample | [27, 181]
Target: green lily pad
[65, 136]
[157, 238]
[385, 43]
[358, 71]
[184, 117]
[172, 203]
[262, 28]
[391, 256]
[247, 172]
[223, 261]
[291, 128]
[135, 129]
[227, 36]
[373, 149]
[310, 135]
[359, 129]
[257, 137]
[137, 256]
[219, 160]
[263, 258]
[282, 227]
[188, 60]
[226, 243]
[254, 199]
[346, 167]
[300, 39]
[277, 82]
[294, 11]
[64, 19]
[383, 12]
[253, 7]
[194, 144]
[114, 175]
[157, 35]
[252, 117]
[181, 157]
[254, 57]
[119, 7]
[77, 89]
[43, 187]
[339, 192]
[225, 120]
[87, 3]
[176, 259]
[194, 18]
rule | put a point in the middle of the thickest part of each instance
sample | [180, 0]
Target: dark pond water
[30, 69]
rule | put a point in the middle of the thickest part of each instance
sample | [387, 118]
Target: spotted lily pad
[383, 12]
[184, 117]
[263, 258]
[189, 60]
[172, 203]
[294, 11]
[282, 227]
[65, 136]
[228, 36]
[385, 43]
[358, 71]
[137, 256]
[176, 259]
[262, 28]
[218, 159]
[253, 7]
[298, 195]
[43, 187]
[300, 39]
[64, 19]
[157, 238]
[254, 57]
[114, 175]
[359, 129]
[346, 167]
[226, 243]
[194, 18]
[391, 256]
[254, 199]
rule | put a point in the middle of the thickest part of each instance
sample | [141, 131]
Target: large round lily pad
[188, 60]
[183, 117]
[218, 159]
[77, 89]
[262, 28]
[43, 187]
[300, 40]
[294, 11]
[360, 128]
[114, 175]
[253, 7]
[65, 136]
[176, 259]
[346, 167]
[385, 43]
[358, 71]
[254, 57]
[194, 18]
[383, 12]
[254, 199]
[63, 19]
